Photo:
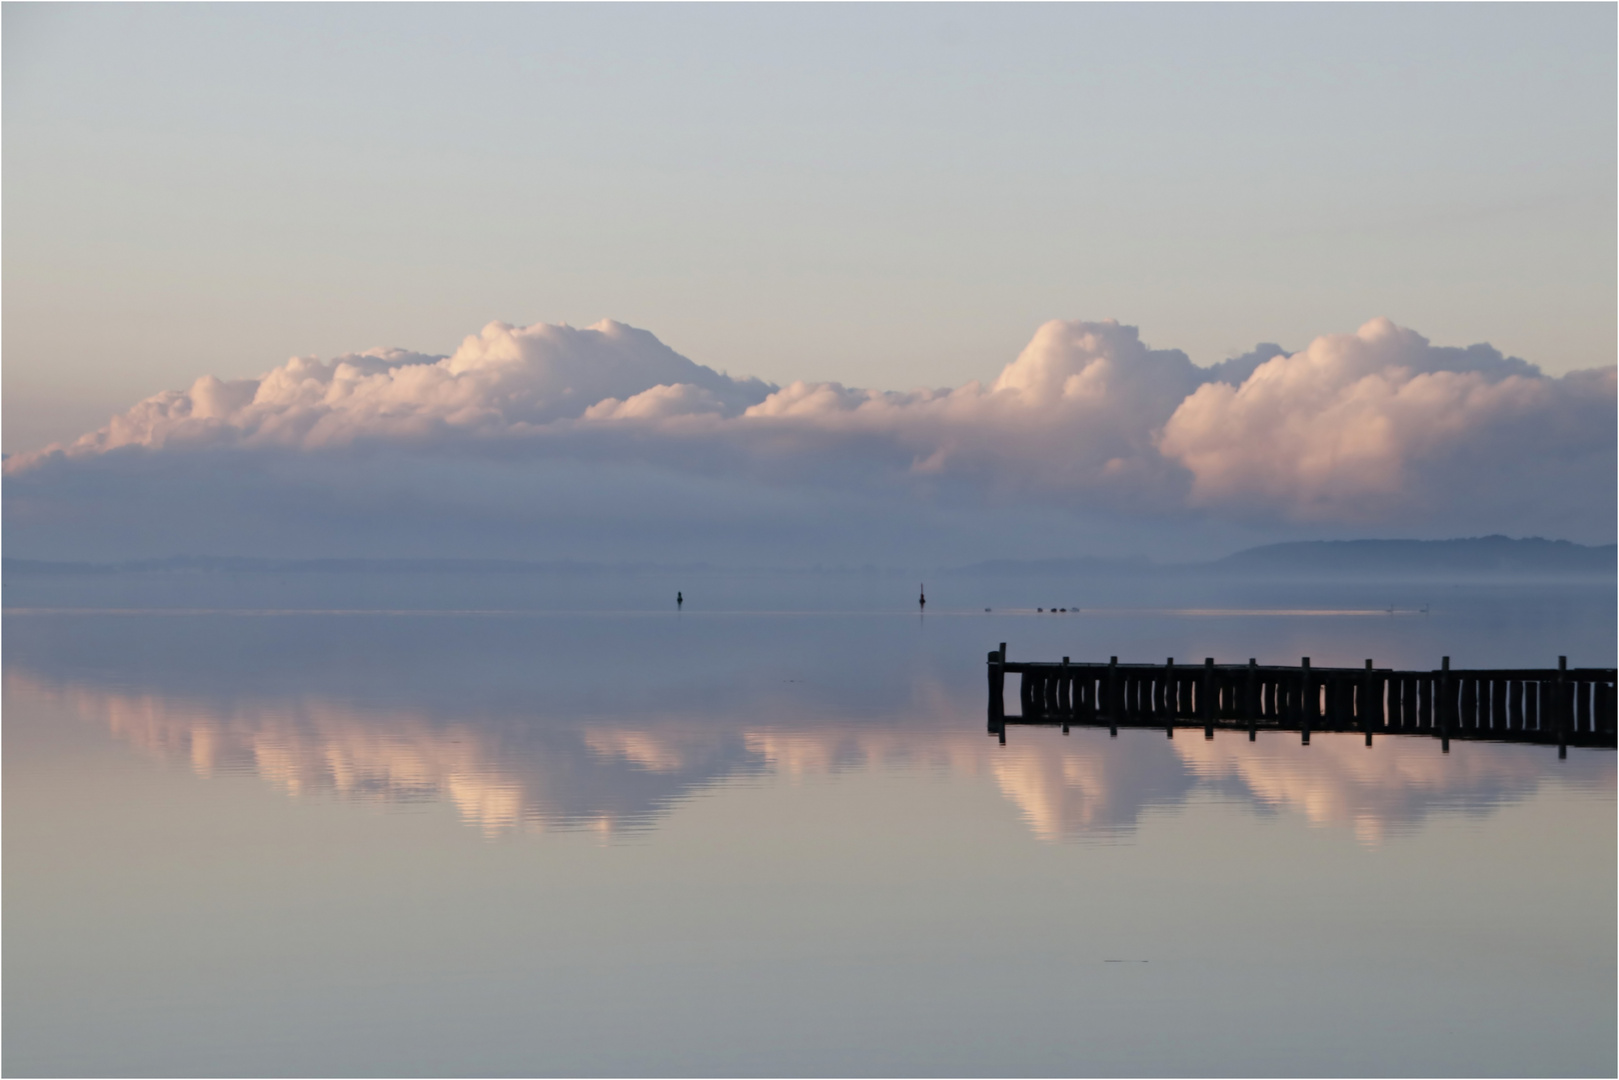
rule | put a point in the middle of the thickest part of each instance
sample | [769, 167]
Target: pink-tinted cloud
[1358, 425]
[607, 776]
[502, 382]
[1378, 427]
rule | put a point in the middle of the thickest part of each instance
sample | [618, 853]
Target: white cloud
[659, 403]
[501, 382]
[1375, 428]
[1359, 426]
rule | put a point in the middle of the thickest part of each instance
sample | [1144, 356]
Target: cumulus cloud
[1374, 428]
[1361, 425]
[505, 381]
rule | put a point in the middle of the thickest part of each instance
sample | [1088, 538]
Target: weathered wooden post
[1025, 693]
[1172, 693]
[1250, 698]
[1308, 700]
[1065, 696]
[997, 688]
[1560, 704]
[1112, 698]
[1366, 703]
[1382, 694]
[1211, 698]
[1446, 704]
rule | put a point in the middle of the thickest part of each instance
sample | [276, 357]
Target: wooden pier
[1563, 706]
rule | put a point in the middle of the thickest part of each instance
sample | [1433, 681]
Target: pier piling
[1559, 706]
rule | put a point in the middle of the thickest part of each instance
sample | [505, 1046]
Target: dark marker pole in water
[679, 599]
[922, 598]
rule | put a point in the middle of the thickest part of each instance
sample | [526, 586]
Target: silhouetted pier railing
[1562, 705]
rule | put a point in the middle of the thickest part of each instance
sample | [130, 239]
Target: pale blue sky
[888, 196]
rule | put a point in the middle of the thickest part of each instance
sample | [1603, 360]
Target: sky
[952, 213]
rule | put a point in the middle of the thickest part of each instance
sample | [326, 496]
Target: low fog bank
[402, 504]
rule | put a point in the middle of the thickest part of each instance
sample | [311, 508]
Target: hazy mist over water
[768, 833]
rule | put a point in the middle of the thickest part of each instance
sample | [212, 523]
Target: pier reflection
[506, 772]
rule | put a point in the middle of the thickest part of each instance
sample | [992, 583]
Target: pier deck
[1562, 705]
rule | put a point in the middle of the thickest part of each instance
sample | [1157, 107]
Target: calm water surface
[766, 842]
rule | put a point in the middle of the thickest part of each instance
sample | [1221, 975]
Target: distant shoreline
[1470, 558]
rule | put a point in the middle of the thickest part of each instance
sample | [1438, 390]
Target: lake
[560, 828]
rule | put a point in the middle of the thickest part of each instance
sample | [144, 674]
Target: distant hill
[1477, 557]
[1483, 556]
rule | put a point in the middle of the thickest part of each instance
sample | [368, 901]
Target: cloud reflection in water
[503, 774]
